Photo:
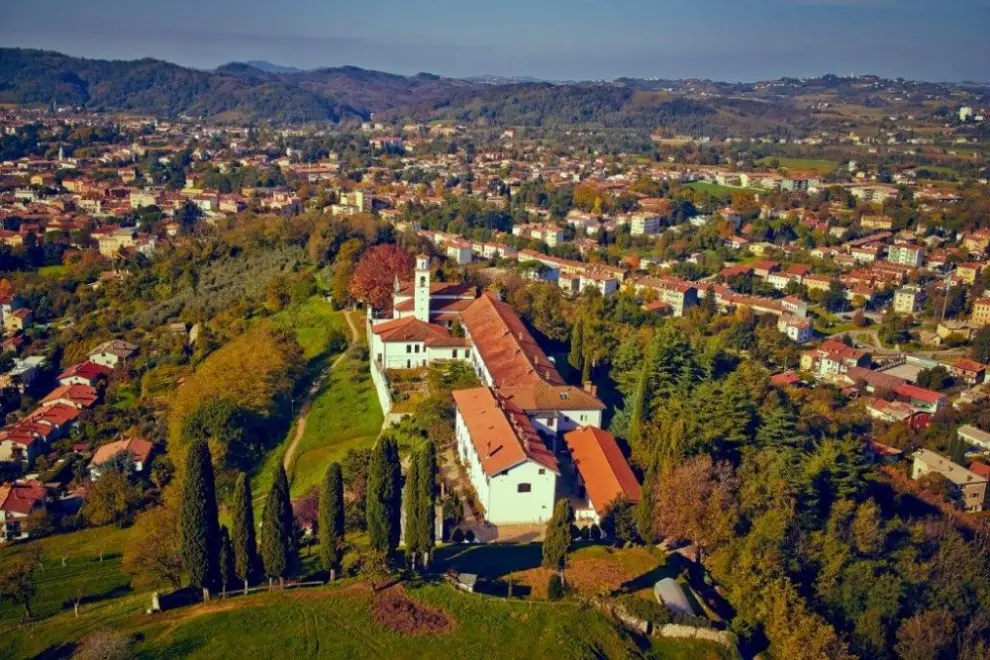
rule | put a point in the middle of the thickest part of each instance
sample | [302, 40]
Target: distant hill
[261, 91]
[268, 67]
[235, 91]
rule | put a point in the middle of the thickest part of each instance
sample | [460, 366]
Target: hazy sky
[559, 39]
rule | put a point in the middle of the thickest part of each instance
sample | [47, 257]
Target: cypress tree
[576, 356]
[411, 502]
[384, 497]
[226, 560]
[427, 460]
[277, 533]
[244, 542]
[557, 540]
[332, 519]
[200, 528]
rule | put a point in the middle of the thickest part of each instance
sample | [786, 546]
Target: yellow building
[981, 311]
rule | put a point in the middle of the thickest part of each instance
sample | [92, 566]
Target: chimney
[590, 388]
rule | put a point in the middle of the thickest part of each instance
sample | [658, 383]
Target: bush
[595, 532]
[457, 536]
[585, 533]
[555, 587]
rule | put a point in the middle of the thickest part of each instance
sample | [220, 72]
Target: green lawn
[52, 271]
[58, 586]
[314, 323]
[337, 622]
[801, 164]
[345, 415]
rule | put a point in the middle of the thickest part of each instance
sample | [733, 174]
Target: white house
[513, 472]
[113, 352]
[797, 330]
[408, 343]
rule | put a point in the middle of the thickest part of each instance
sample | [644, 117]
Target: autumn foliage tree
[374, 276]
[696, 501]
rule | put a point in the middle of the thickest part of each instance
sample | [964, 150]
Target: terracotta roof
[969, 365]
[58, 414]
[88, 370]
[21, 498]
[502, 434]
[412, 329]
[544, 396]
[139, 449]
[604, 470]
[442, 289]
[81, 396]
[919, 393]
[510, 353]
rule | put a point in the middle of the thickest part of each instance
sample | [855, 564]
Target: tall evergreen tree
[557, 540]
[411, 504]
[576, 356]
[278, 545]
[243, 537]
[199, 524]
[637, 412]
[332, 520]
[383, 496]
[427, 500]
[779, 429]
[226, 560]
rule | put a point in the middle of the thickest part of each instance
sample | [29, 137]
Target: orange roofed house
[510, 467]
[604, 475]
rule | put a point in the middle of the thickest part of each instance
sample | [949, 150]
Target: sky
[730, 40]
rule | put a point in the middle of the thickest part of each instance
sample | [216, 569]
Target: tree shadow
[492, 561]
[116, 592]
[57, 651]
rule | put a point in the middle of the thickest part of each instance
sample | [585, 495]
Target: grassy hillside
[340, 621]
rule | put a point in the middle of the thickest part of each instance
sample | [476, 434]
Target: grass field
[52, 271]
[314, 323]
[801, 164]
[58, 586]
[338, 622]
[344, 415]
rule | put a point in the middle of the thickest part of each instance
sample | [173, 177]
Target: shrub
[595, 532]
[555, 587]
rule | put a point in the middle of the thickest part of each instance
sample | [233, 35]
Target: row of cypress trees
[215, 557]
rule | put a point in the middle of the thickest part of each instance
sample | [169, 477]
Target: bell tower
[421, 286]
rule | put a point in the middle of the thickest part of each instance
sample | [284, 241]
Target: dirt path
[290, 452]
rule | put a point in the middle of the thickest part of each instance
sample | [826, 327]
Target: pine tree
[410, 501]
[226, 560]
[576, 356]
[243, 538]
[637, 412]
[332, 520]
[779, 429]
[199, 525]
[427, 459]
[278, 546]
[383, 496]
[557, 540]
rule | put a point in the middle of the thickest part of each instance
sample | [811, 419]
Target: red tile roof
[412, 329]
[80, 396]
[604, 470]
[919, 393]
[21, 498]
[502, 434]
[510, 353]
[139, 449]
[87, 370]
[969, 365]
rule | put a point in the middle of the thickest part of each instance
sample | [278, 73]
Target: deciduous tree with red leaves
[375, 274]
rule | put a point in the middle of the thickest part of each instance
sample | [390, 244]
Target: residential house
[833, 357]
[112, 353]
[922, 398]
[644, 224]
[974, 436]
[409, 343]
[966, 272]
[969, 371]
[797, 329]
[138, 450]
[906, 254]
[908, 299]
[970, 488]
[981, 311]
[84, 373]
[19, 500]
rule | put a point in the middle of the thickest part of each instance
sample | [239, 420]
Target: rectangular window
[524, 488]
[455, 353]
[542, 471]
[417, 348]
[408, 348]
[467, 352]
